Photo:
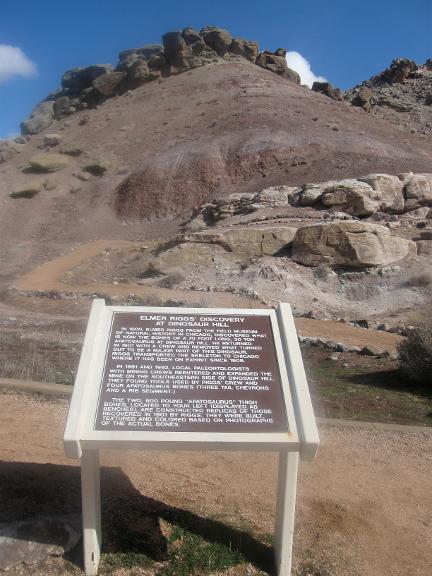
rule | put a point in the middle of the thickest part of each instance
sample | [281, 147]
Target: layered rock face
[90, 86]
[351, 243]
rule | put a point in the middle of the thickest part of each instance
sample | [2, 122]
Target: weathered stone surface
[217, 38]
[245, 48]
[362, 98]
[194, 41]
[145, 52]
[277, 64]
[349, 243]
[418, 190]
[48, 162]
[247, 242]
[177, 51]
[327, 89]
[51, 140]
[97, 167]
[78, 79]
[30, 541]
[27, 189]
[138, 73]
[109, 84]
[390, 190]
[310, 194]
[424, 247]
[275, 196]
[399, 70]
[352, 196]
[41, 117]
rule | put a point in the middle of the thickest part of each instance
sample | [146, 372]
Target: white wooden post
[285, 511]
[91, 510]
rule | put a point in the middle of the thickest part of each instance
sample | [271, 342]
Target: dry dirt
[364, 506]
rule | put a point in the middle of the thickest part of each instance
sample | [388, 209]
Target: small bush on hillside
[415, 354]
[171, 279]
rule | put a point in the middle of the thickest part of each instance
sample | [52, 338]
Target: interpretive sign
[181, 379]
[186, 373]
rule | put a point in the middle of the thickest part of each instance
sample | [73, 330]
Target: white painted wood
[285, 511]
[91, 510]
[305, 417]
[83, 382]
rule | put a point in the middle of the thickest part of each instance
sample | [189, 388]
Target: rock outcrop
[349, 244]
[90, 86]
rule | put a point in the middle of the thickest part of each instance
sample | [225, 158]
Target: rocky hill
[172, 126]
[401, 95]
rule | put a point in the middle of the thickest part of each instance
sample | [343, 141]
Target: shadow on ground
[130, 521]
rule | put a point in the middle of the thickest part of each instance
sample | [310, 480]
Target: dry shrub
[415, 353]
[171, 279]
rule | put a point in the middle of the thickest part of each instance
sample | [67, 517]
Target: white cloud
[299, 63]
[13, 62]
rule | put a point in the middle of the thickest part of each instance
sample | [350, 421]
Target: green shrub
[415, 353]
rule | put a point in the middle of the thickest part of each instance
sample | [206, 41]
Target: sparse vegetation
[415, 353]
[171, 279]
[420, 280]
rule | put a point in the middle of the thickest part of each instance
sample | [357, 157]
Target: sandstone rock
[177, 51]
[217, 38]
[417, 213]
[27, 189]
[190, 253]
[352, 196]
[310, 194]
[277, 64]
[327, 89]
[145, 52]
[275, 196]
[399, 70]
[158, 65]
[390, 190]
[64, 106]
[424, 247]
[350, 243]
[78, 79]
[52, 139]
[245, 48]
[138, 73]
[97, 167]
[48, 162]
[41, 117]
[248, 242]
[194, 41]
[363, 98]
[418, 190]
[110, 84]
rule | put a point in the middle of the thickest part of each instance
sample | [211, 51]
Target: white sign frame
[82, 441]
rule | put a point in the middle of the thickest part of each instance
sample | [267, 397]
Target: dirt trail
[51, 277]
[364, 506]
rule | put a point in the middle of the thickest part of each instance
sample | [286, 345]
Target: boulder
[177, 51]
[327, 89]
[275, 196]
[27, 189]
[52, 140]
[110, 84]
[349, 243]
[400, 69]
[310, 194]
[248, 242]
[64, 106]
[97, 167]
[41, 118]
[158, 65]
[276, 63]
[48, 162]
[424, 247]
[352, 196]
[390, 190]
[138, 73]
[194, 41]
[77, 79]
[363, 98]
[217, 38]
[245, 48]
[145, 52]
[418, 190]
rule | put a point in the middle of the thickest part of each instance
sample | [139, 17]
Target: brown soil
[364, 505]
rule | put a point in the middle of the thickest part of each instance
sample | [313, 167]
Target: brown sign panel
[191, 373]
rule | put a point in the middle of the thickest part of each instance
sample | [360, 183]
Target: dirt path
[364, 506]
[50, 277]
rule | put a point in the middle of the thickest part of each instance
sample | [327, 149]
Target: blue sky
[346, 42]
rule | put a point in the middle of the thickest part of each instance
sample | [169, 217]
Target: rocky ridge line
[91, 86]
